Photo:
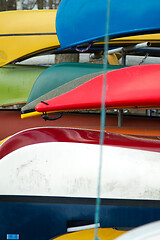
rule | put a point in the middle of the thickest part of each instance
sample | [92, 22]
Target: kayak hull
[45, 204]
[34, 29]
[16, 82]
[128, 24]
[44, 218]
[53, 79]
[129, 87]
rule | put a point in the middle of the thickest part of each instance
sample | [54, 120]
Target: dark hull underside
[46, 217]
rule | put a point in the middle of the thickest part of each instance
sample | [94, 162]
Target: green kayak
[16, 82]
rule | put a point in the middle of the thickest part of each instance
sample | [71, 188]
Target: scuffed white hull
[71, 170]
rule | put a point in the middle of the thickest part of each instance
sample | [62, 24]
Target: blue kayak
[81, 21]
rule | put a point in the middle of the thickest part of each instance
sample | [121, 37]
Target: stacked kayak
[91, 22]
[154, 39]
[50, 184]
[16, 82]
[35, 32]
[26, 33]
[49, 175]
[130, 87]
[59, 79]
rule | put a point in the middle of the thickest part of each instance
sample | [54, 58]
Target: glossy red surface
[51, 134]
[135, 86]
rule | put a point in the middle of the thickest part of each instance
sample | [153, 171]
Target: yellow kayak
[25, 33]
[103, 234]
[154, 39]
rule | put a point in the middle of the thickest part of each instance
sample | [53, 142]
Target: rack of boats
[49, 147]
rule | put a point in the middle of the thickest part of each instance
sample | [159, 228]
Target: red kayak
[130, 87]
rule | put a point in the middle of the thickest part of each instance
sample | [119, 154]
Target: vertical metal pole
[123, 57]
[120, 117]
